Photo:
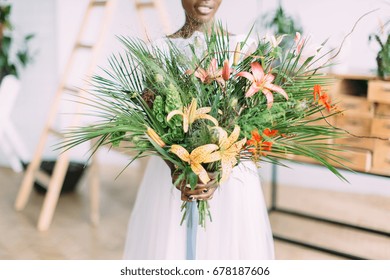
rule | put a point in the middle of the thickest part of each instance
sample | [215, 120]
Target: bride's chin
[202, 19]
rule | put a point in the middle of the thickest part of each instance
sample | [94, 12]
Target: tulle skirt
[240, 227]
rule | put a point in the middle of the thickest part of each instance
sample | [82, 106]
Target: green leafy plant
[8, 64]
[383, 55]
[282, 23]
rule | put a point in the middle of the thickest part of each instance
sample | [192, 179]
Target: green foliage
[282, 23]
[382, 37]
[8, 65]
[5, 11]
[383, 57]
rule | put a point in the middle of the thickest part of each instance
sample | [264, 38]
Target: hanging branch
[351, 134]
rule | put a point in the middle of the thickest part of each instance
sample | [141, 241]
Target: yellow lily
[154, 136]
[237, 54]
[198, 155]
[229, 148]
[191, 114]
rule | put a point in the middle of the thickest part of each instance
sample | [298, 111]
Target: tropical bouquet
[204, 115]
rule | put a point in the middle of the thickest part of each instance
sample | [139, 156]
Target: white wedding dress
[240, 228]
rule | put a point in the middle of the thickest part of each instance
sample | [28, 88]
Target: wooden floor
[72, 237]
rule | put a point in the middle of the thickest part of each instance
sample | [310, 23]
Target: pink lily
[309, 50]
[226, 70]
[298, 41]
[262, 82]
[212, 73]
[274, 41]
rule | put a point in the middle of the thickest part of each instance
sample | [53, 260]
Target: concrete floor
[71, 236]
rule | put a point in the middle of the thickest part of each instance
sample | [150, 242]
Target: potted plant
[382, 37]
[11, 62]
[280, 23]
[11, 65]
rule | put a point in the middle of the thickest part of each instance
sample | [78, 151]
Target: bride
[240, 228]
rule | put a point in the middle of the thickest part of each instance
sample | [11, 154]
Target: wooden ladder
[55, 181]
[142, 5]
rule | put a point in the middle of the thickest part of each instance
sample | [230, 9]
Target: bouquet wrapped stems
[195, 205]
[197, 195]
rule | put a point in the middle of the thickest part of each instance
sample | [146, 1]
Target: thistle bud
[159, 78]
[214, 136]
[234, 102]
[302, 105]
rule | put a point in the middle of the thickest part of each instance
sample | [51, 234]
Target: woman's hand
[201, 191]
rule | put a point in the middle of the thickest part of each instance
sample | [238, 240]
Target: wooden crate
[379, 91]
[381, 127]
[356, 159]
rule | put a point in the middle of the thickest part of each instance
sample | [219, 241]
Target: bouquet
[204, 115]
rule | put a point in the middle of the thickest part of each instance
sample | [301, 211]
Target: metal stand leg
[274, 186]
[278, 209]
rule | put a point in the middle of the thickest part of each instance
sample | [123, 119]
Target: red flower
[270, 133]
[257, 144]
[322, 98]
[325, 100]
[266, 146]
[317, 91]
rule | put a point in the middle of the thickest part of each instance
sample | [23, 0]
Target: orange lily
[257, 143]
[199, 155]
[325, 100]
[323, 97]
[229, 149]
[317, 91]
[261, 82]
[270, 133]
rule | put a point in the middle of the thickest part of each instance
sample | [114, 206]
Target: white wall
[56, 22]
[334, 19]
[38, 81]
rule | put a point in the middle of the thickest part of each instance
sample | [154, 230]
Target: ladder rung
[42, 178]
[99, 3]
[83, 46]
[56, 133]
[143, 5]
